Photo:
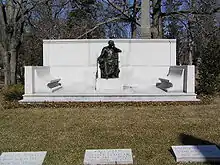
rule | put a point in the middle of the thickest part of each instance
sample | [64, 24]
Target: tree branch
[215, 10]
[122, 12]
[61, 8]
[3, 12]
[28, 10]
[99, 24]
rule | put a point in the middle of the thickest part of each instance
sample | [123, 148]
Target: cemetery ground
[149, 130]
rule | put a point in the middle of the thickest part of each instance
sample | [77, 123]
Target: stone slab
[39, 98]
[22, 158]
[193, 153]
[109, 85]
[108, 156]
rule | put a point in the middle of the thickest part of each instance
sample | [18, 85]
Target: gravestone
[108, 156]
[200, 153]
[22, 158]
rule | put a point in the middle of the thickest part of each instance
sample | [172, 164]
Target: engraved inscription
[111, 156]
[200, 153]
[22, 158]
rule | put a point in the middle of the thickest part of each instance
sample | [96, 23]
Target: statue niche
[108, 61]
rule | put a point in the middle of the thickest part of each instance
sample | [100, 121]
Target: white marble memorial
[22, 158]
[200, 153]
[108, 157]
[148, 72]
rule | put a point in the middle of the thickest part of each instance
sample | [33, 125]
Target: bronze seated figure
[108, 61]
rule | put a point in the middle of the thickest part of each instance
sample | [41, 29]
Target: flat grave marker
[108, 157]
[193, 153]
[22, 158]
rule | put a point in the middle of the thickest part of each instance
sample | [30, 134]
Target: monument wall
[141, 62]
[141, 52]
[148, 71]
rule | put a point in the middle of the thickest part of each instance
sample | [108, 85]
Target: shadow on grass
[191, 140]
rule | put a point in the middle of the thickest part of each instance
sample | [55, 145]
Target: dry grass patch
[148, 130]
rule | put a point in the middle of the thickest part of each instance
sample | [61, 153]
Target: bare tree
[13, 18]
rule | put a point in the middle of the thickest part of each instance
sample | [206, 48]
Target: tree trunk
[156, 26]
[13, 66]
[133, 24]
[157, 19]
[190, 36]
[6, 67]
[190, 59]
[145, 19]
[160, 27]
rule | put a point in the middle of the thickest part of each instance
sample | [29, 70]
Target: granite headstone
[22, 158]
[108, 157]
[199, 153]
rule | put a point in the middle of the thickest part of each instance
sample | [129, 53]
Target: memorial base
[108, 97]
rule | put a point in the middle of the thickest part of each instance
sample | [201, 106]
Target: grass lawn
[149, 131]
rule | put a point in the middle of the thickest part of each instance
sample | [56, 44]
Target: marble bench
[48, 81]
[174, 80]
